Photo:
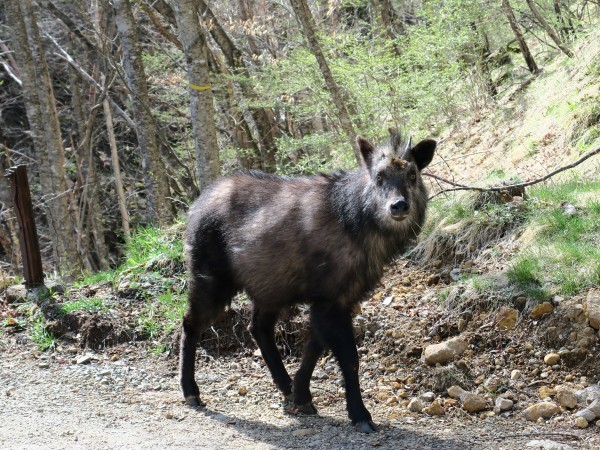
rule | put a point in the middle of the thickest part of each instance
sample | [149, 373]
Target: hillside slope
[536, 126]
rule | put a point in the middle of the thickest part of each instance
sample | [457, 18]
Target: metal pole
[28, 238]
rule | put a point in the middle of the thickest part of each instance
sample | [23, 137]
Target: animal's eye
[413, 176]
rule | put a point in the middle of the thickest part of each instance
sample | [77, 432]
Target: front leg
[333, 326]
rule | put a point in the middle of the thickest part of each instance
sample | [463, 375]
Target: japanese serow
[321, 240]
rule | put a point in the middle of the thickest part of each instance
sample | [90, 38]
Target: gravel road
[131, 400]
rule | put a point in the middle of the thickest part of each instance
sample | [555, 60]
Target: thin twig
[538, 433]
[463, 187]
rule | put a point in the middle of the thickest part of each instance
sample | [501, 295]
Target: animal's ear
[422, 153]
[366, 150]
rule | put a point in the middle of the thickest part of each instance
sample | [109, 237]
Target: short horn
[407, 149]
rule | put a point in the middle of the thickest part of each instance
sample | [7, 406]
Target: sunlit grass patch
[93, 304]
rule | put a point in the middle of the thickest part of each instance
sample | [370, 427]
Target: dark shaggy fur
[321, 240]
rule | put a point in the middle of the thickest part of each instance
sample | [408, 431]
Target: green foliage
[422, 81]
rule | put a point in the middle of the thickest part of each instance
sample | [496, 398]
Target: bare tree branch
[463, 187]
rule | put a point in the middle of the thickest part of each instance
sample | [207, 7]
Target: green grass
[163, 315]
[93, 304]
[564, 256]
[153, 265]
[450, 210]
[481, 283]
[559, 253]
[525, 271]
[151, 244]
[108, 276]
[42, 337]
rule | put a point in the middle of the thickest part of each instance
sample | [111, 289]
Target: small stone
[543, 410]
[551, 358]
[455, 392]
[507, 318]
[432, 280]
[402, 393]
[85, 359]
[592, 306]
[445, 351]
[415, 405]
[169, 415]
[114, 358]
[15, 294]
[515, 374]
[595, 406]
[492, 383]
[303, 432]
[580, 422]
[546, 392]
[243, 390]
[391, 401]
[434, 409]
[566, 397]
[541, 309]
[473, 402]
[503, 404]
[547, 444]
[43, 365]
[427, 397]
[587, 414]
[588, 395]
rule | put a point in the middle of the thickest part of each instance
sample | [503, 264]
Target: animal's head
[395, 175]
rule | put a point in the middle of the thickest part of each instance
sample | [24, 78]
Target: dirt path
[134, 402]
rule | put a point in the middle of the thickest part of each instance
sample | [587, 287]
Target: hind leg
[313, 350]
[262, 329]
[205, 303]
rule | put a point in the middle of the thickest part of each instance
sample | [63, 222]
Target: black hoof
[307, 408]
[366, 427]
[194, 401]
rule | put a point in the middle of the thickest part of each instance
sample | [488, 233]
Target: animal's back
[282, 238]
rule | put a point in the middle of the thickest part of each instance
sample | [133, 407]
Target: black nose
[399, 207]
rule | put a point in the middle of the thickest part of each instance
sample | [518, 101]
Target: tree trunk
[549, 30]
[157, 188]
[385, 14]
[510, 15]
[116, 170]
[45, 130]
[308, 25]
[201, 99]
[263, 118]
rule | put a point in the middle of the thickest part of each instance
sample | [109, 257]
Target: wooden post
[28, 238]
